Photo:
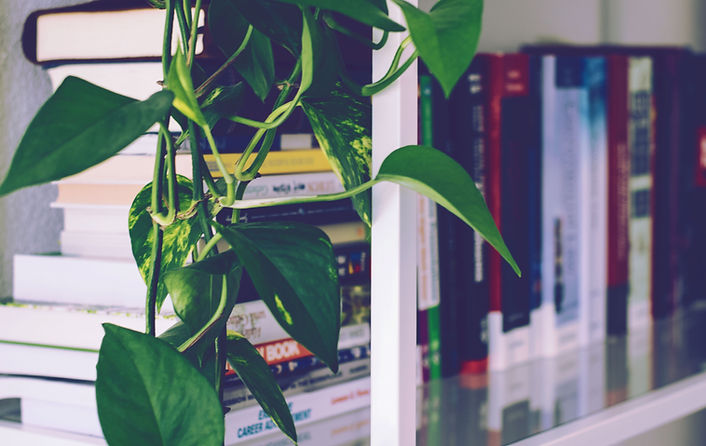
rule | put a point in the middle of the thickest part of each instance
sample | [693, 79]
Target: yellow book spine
[279, 162]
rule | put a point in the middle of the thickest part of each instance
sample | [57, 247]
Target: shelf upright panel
[393, 287]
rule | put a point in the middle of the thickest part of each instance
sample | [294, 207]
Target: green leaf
[196, 290]
[341, 123]
[256, 375]
[292, 268]
[179, 82]
[179, 237]
[307, 56]
[148, 394]
[326, 59]
[280, 22]
[446, 37]
[256, 63]
[79, 126]
[434, 174]
[223, 101]
[363, 11]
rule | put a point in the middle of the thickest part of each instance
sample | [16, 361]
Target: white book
[76, 35]
[640, 185]
[138, 80]
[348, 400]
[104, 245]
[65, 279]
[96, 218]
[349, 429]
[306, 407]
[560, 315]
[20, 359]
[597, 219]
[427, 254]
[68, 326]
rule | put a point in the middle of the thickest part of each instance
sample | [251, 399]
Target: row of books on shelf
[591, 161]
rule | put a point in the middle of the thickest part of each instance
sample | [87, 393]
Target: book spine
[597, 242]
[306, 407]
[467, 137]
[309, 368]
[277, 162]
[508, 134]
[534, 203]
[618, 211]
[428, 297]
[442, 319]
[560, 211]
[326, 212]
[641, 143]
[670, 134]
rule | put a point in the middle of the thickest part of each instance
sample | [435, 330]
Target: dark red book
[618, 177]
[509, 129]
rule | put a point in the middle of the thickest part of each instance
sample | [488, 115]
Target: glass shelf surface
[499, 408]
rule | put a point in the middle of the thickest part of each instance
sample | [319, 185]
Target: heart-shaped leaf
[366, 12]
[292, 268]
[179, 82]
[341, 123]
[446, 37]
[79, 126]
[256, 375]
[280, 22]
[256, 63]
[179, 237]
[434, 174]
[148, 394]
[196, 290]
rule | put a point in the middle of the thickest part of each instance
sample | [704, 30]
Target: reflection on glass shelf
[497, 408]
[500, 408]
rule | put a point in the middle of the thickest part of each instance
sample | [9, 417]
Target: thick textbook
[98, 31]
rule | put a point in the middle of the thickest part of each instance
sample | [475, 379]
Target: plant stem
[198, 195]
[212, 322]
[201, 90]
[209, 245]
[230, 186]
[156, 252]
[268, 202]
[153, 279]
[167, 39]
[334, 25]
[173, 204]
[393, 73]
[194, 30]
[183, 26]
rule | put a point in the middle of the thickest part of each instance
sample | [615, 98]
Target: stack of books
[52, 326]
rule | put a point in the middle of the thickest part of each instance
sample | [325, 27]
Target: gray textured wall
[27, 224]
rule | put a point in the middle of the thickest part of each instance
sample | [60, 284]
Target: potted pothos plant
[167, 389]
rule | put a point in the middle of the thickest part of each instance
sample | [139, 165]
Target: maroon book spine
[618, 176]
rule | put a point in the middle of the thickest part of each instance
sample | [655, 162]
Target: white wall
[660, 22]
[27, 224]
[509, 23]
